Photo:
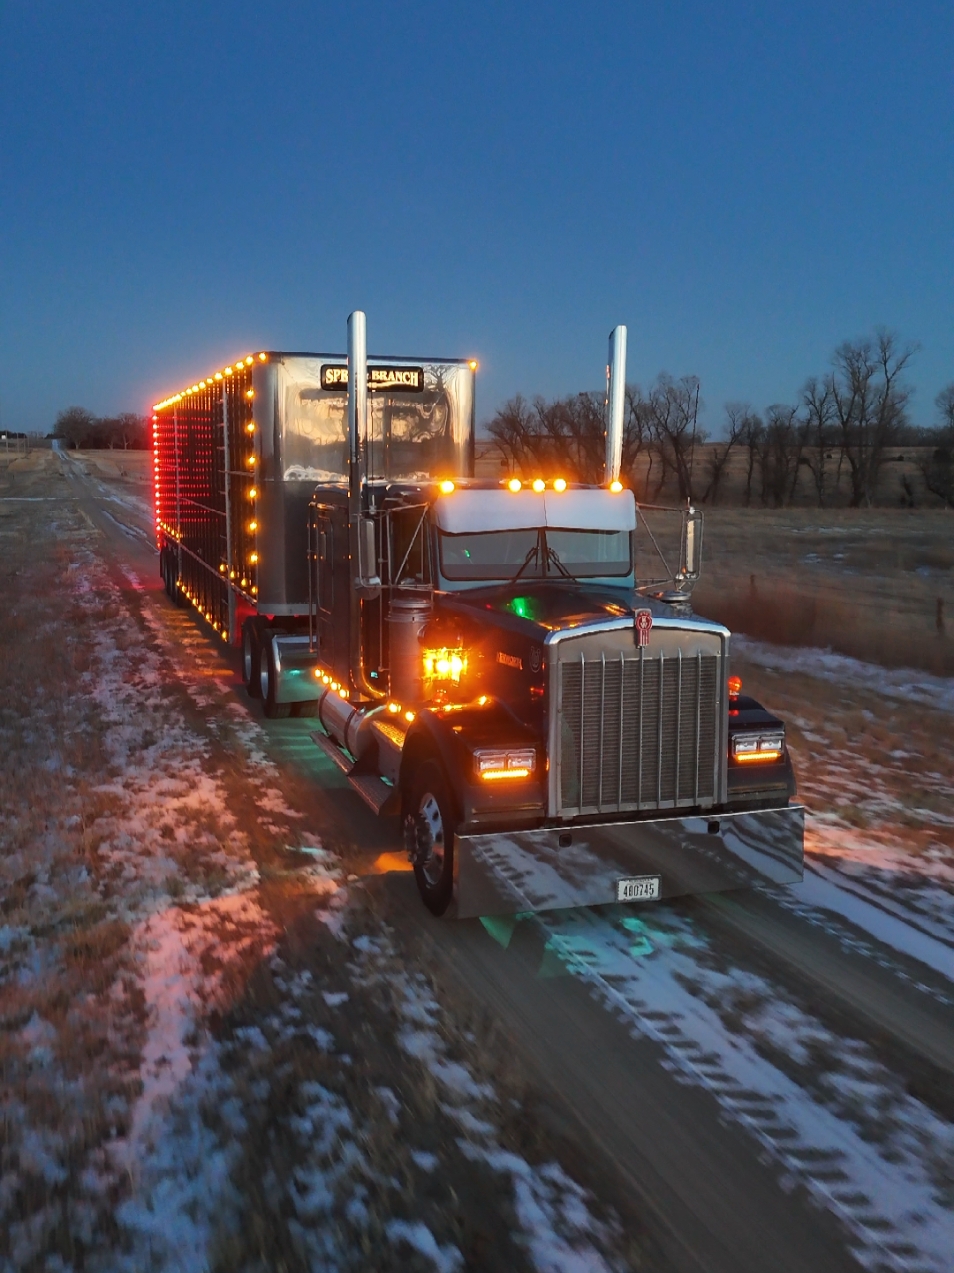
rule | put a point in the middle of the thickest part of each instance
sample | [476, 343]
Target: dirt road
[234, 1039]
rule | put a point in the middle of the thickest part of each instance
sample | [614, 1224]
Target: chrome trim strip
[626, 622]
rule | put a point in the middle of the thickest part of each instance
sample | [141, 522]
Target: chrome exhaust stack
[615, 402]
[364, 573]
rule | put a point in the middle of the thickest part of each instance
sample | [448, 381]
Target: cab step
[331, 749]
[376, 794]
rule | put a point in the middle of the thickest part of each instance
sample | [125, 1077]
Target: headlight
[493, 766]
[444, 665]
[759, 748]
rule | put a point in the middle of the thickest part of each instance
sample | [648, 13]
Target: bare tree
[76, 426]
[736, 417]
[938, 468]
[132, 430]
[817, 433]
[869, 398]
[637, 434]
[752, 430]
[673, 413]
[779, 451]
[566, 436]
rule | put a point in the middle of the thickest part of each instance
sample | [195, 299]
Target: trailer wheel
[165, 569]
[251, 658]
[429, 825]
[268, 683]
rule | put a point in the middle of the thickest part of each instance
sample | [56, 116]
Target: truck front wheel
[429, 825]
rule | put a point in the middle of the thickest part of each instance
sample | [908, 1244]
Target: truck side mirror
[690, 565]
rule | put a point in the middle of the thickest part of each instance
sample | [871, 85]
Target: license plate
[640, 888]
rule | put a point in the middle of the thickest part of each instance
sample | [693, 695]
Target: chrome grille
[637, 730]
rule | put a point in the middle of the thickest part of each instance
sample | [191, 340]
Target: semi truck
[493, 662]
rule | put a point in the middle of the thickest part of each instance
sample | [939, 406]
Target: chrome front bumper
[507, 872]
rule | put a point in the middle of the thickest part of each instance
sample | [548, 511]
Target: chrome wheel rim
[430, 839]
[263, 674]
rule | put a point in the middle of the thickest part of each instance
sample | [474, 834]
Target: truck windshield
[534, 554]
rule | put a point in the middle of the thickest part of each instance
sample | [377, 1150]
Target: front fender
[451, 737]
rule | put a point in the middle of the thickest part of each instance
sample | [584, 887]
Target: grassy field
[877, 584]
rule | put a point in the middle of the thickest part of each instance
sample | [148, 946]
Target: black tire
[267, 681]
[251, 658]
[309, 708]
[430, 821]
[170, 575]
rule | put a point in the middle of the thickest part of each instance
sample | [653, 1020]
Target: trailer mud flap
[506, 872]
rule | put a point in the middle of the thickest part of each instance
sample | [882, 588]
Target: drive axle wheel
[429, 825]
[251, 658]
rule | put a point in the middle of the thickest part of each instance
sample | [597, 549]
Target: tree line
[840, 432]
[80, 429]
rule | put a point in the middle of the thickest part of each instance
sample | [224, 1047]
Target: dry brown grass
[874, 584]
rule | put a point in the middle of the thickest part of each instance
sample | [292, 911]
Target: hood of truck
[534, 609]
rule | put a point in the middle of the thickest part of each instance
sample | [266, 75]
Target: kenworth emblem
[644, 623]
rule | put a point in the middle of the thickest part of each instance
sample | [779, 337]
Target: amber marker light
[394, 708]
[473, 364]
[539, 485]
[515, 484]
[409, 716]
[253, 493]
[616, 486]
[560, 485]
[253, 558]
[253, 525]
[447, 488]
[263, 357]
[250, 427]
[251, 461]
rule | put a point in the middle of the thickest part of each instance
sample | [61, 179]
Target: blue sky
[744, 185]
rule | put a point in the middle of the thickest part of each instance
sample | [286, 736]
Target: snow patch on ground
[559, 1230]
[904, 684]
[823, 1107]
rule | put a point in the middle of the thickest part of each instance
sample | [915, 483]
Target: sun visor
[473, 512]
[590, 510]
[470, 512]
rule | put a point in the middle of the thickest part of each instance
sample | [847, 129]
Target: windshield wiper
[532, 555]
[553, 555]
